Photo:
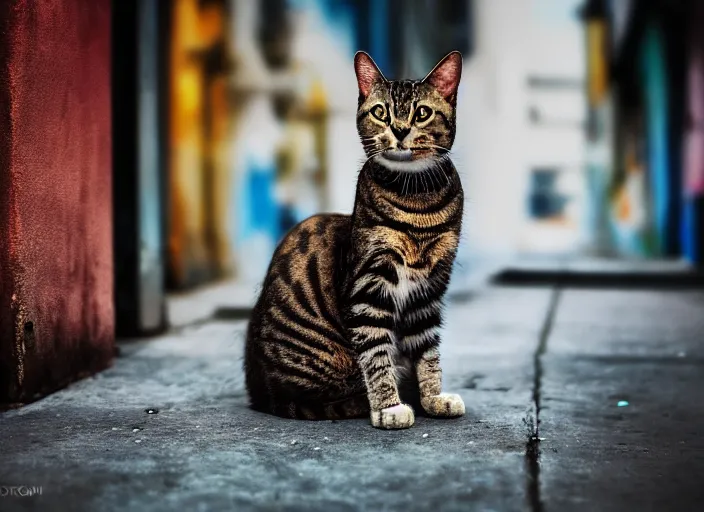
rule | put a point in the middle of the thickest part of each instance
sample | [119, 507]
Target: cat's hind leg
[343, 409]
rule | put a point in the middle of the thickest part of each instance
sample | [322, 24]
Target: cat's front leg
[434, 401]
[370, 325]
[421, 336]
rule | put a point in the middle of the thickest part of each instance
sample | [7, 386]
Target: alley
[614, 378]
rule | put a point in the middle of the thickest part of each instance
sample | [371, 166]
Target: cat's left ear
[368, 73]
[445, 76]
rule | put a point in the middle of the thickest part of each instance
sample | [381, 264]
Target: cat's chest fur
[410, 286]
[415, 273]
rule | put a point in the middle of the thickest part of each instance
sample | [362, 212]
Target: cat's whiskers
[425, 184]
[433, 176]
[444, 150]
[437, 172]
[372, 144]
[373, 151]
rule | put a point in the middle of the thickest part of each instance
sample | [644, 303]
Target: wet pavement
[576, 400]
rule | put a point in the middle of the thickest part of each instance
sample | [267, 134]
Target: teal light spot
[622, 403]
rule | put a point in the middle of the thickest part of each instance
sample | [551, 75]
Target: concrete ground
[576, 400]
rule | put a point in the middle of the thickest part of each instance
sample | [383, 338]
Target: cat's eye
[423, 113]
[379, 112]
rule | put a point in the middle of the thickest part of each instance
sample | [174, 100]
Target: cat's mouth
[398, 155]
[406, 155]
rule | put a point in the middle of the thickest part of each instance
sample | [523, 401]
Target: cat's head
[407, 120]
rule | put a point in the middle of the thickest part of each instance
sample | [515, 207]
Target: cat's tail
[356, 406]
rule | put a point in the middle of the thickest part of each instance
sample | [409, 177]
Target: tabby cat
[351, 304]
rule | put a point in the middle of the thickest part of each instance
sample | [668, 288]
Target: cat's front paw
[444, 405]
[396, 417]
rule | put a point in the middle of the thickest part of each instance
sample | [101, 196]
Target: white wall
[496, 144]
[489, 149]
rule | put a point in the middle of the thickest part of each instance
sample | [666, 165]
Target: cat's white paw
[398, 416]
[444, 405]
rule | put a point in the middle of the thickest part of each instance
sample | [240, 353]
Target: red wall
[56, 267]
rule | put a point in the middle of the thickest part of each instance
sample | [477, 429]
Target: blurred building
[644, 134]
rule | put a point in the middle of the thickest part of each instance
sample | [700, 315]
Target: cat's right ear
[367, 73]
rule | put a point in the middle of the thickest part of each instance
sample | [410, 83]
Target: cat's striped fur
[350, 303]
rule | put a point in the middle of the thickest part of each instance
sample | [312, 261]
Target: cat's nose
[400, 133]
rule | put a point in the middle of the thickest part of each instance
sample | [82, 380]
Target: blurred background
[580, 133]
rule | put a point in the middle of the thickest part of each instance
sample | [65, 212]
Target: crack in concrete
[532, 456]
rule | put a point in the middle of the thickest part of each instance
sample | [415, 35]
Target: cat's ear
[445, 76]
[367, 73]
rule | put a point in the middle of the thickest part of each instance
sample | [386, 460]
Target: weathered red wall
[56, 267]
